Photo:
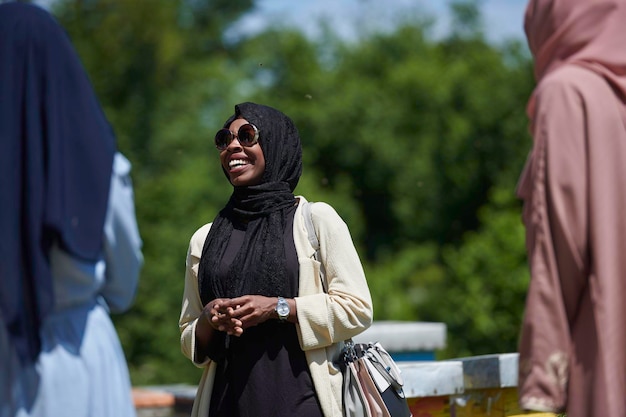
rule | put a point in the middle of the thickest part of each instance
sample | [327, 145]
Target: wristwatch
[282, 308]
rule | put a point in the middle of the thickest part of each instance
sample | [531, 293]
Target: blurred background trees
[417, 142]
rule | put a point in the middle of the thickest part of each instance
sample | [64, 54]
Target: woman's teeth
[236, 162]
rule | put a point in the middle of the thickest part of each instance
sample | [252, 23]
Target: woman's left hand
[219, 315]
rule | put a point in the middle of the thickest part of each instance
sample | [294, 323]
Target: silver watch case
[282, 308]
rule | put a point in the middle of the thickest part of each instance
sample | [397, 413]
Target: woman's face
[244, 165]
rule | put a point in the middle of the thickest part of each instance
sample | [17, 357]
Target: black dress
[264, 372]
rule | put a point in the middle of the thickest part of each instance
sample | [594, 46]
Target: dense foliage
[416, 141]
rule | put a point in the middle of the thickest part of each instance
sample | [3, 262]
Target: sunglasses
[247, 135]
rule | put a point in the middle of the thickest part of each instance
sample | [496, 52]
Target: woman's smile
[244, 165]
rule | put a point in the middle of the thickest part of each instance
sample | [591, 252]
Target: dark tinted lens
[223, 137]
[247, 135]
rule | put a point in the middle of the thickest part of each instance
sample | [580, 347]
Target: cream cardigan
[325, 319]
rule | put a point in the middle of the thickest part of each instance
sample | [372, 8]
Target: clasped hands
[234, 315]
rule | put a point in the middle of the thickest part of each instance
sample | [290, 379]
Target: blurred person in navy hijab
[70, 250]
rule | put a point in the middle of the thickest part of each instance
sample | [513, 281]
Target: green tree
[481, 295]
[416, 141]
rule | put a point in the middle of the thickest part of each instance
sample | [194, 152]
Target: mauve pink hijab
[573, 338]
[589, 33]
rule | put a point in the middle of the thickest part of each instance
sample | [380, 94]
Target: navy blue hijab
[56, 156]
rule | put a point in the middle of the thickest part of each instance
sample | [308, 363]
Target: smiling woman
[254, 306]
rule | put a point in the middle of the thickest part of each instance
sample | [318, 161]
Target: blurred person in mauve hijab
[70, 250]
[573, 339]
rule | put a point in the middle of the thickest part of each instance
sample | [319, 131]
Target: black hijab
[259, 266]
[56, 156]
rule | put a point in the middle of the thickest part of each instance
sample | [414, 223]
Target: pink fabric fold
[573, 339]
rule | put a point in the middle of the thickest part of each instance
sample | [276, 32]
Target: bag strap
[314, 240]
[310, 228]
